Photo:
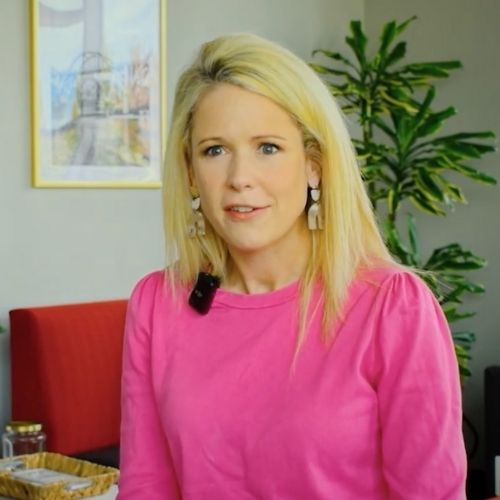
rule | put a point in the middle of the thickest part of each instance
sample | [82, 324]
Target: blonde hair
[350, 239]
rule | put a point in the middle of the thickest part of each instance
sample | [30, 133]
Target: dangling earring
[197, 228]
[314, 218]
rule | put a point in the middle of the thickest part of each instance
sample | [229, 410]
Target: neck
[269, 269]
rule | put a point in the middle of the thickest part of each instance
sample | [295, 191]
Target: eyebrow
[256, 137]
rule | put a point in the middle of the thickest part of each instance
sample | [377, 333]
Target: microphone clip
[203, 292]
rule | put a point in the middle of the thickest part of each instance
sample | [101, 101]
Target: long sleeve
[146, 470]
[418, 395]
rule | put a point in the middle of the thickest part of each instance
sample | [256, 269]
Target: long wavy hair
[350, 239]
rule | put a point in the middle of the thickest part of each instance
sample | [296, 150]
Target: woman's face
[251, 171]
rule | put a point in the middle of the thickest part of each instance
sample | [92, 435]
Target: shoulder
[147, 298]
[391, 282]
[153, 293]
[148, 286]
[390, 291]
[401, 305]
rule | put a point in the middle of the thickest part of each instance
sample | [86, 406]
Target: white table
[109, 495]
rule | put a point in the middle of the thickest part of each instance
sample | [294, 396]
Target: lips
[242, 209]
[243, 212]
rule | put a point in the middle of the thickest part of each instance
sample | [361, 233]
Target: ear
[313, 170]
[192, 181]
[190, 174]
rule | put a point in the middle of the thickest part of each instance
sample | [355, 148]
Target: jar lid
[23, 426]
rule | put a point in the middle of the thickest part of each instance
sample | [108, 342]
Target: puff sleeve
[419, 396]
[146, 470]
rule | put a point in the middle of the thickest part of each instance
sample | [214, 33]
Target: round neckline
[256, 300]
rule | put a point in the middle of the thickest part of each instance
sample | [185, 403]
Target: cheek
[208, 189]
[204, 181]
[293, 189]
[299, 201]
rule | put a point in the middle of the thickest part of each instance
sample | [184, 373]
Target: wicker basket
[102, 478]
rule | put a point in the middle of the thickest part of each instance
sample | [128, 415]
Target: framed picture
[98, 92]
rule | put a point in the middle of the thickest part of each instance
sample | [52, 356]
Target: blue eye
[269, 149]
[213, 150]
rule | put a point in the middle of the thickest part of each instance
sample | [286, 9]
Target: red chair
[66, 369]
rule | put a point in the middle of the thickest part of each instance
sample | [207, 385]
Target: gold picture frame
[98, 93]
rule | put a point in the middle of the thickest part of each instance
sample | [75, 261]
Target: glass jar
[21, 438]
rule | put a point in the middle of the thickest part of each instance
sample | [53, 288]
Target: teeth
[241, 209]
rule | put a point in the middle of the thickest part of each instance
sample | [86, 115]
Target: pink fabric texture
[212, 411]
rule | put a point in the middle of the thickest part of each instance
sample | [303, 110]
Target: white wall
[68, 245]
[468, 31]
[301, 26]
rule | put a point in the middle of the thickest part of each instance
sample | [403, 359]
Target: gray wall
[62, 245]
[468, 31]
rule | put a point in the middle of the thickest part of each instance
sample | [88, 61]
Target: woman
[319, 369]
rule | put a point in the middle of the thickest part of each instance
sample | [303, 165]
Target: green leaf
[472, 173]
[338, 89]
[335, 56]
[454, 191]
[358, 42]
[423, 203]
[468, 135]
[436, 69]
[325, 70]
[396, 54]
[434, 122]
[465, 338]
[462, 352]
[452, 258]
[405, 24]
[481, 148]
[461, 266]
[389, 33]
[461, 150]
[407, 104]
[412, 235]
[428, 184]
[395, 81]
[384, 127]
[454, 250]
[405, 130]
[424, 107]
[454, 64]
[455, 295]
[393, 200]
[468, 285]
[463, 370]
[452, 314]
[466, 150]
[395, 245]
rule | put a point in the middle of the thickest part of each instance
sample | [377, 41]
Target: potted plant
[403, 159]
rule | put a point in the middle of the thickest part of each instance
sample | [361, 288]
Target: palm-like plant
[401, 157]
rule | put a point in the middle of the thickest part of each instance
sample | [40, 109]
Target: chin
[247, 247]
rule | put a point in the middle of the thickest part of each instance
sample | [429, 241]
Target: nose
[239, 175]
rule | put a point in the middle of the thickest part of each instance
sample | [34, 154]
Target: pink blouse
[211, 410]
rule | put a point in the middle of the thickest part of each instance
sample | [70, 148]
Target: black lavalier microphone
[203, 292]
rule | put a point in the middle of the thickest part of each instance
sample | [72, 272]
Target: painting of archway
[98, 92]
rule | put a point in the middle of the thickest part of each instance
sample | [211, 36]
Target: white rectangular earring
[197, 228]
[314, 218]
